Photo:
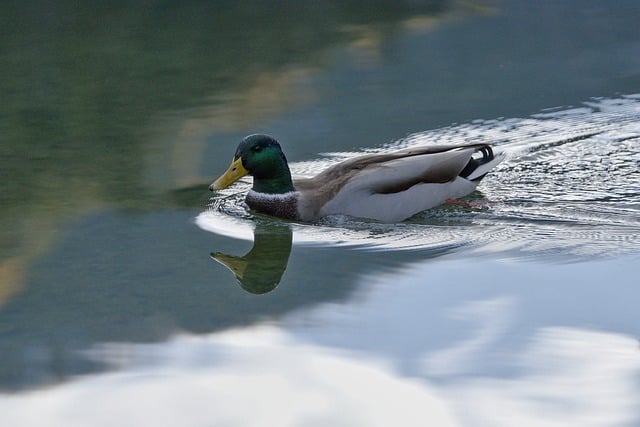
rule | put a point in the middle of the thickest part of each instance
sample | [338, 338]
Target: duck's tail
[483, 160]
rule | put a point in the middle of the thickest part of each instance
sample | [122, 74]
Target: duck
[385, 187]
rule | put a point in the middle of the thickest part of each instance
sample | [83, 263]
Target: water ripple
[570, 185]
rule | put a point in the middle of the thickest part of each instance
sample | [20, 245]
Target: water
[518, 309]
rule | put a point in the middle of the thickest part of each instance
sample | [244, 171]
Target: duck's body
[387, 187]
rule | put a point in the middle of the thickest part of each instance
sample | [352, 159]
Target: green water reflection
[260, 270]
[90, 90]
[91, 96]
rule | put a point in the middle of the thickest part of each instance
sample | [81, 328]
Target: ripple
[570, 185]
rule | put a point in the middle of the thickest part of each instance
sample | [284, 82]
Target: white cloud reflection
[264, 375]
[571, 377]
[490, 320]
[412, 348]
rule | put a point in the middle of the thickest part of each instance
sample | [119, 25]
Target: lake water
[116, 307]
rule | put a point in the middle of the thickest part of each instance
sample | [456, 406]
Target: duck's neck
[279, 183]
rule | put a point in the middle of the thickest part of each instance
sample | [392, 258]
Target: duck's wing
[397, 170]
[393, 173]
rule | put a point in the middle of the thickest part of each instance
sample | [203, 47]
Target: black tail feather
[475, 162]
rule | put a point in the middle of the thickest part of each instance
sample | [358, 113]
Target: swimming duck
[388, 187]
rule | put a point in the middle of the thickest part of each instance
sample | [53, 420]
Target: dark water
[518, 309]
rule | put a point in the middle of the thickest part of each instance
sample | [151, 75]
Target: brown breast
[280, 205]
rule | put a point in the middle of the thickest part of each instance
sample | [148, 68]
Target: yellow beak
[234, 173]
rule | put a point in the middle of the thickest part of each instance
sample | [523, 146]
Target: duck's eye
[257, 148]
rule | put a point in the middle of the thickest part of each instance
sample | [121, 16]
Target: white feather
[396, 207]
[359, 197]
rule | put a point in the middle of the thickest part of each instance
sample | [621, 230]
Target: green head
[261, 157]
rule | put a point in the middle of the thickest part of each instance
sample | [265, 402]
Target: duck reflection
[259, 271]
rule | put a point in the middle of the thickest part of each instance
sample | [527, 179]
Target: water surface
[519, 308]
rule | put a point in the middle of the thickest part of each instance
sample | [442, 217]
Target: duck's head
[260, 156]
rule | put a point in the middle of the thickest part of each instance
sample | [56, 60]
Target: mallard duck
[388, 187]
